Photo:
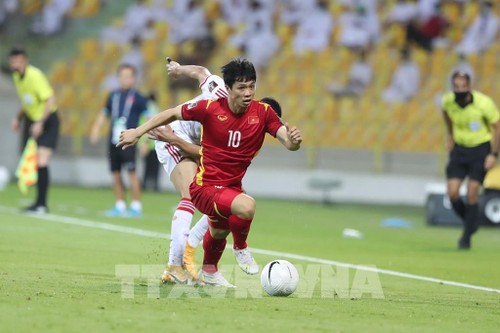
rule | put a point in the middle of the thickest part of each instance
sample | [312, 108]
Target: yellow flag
[27, 170]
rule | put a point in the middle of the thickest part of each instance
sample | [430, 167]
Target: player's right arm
[176, 70]
[449, 130]
[131, 136]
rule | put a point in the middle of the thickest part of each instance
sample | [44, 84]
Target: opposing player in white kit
[179, 154]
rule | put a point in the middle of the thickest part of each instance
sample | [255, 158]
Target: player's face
[241, 94]
[18, 63]
[127, 78]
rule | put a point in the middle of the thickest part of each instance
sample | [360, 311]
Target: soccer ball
[279, 278]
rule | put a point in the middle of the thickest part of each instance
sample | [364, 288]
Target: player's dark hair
[16, 51]
[273, 103]
[240, 70]
[127, 66]
[456, 74]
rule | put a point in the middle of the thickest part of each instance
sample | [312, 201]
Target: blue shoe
[134, 213]
[115, 212]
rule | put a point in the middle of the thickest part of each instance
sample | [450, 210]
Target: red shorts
[215, 202]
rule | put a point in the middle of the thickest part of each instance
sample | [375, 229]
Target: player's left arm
[166, 134]
[130, 137]
[291, 138]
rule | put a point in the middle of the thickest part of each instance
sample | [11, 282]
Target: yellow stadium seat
[89, 49]
[59, 73]
[30, 7]
[86, 8]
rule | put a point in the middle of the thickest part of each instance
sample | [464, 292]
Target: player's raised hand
[128, 138]
[171, 68]
[294, 134]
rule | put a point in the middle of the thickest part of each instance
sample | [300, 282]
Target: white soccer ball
[279, 278]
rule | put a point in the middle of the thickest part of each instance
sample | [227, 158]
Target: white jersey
[212, 88]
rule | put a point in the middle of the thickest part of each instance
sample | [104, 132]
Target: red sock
[213, 249]
[239, 228]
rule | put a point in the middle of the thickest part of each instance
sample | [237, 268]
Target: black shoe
[464, 243]
[36, 209]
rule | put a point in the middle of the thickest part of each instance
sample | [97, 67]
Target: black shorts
[468, 161]
[119, 158]
[50, 135]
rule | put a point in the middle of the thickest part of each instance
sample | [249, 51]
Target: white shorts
[170, 157]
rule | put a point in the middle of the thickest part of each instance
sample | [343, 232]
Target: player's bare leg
[243, 207]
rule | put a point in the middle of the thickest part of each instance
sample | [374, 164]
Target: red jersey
[229, 141]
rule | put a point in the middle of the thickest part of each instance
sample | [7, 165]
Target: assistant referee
[37, 118]
[473, 123]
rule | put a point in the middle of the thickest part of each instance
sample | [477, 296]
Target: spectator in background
[135, 20]
[358, 29]
[261, 46]
[403, 12]
[52, 17]
[482, 33]
[426, 9]
[405, 80]
[425, 34]
[292, 10]
[360, 76]
[7, 7]
[233, 11]
[189, 26]
[257, 20]
[314, 29]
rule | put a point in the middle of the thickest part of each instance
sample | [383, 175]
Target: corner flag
[27, 172]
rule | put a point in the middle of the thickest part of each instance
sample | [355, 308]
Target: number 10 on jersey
[234, 139]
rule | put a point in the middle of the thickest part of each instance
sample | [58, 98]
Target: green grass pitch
[58, 276]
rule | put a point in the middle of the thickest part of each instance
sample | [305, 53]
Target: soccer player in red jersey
[233, 131]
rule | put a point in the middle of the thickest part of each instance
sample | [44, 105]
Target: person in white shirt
[314, 29]
[292, 10]
[405, 81]
[52, 17]
[403, 12]
[359, 30]
[258, 19]
[360, 76]
[261, 46]
[190, 25]
[482, 33]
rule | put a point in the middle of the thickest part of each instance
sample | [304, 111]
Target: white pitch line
[276, 254]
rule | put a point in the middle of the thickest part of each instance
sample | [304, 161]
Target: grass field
[59, 273]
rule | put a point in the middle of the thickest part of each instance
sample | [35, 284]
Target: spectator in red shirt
[424, 34]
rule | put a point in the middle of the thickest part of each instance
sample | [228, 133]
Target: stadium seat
[86, 8]
[89, 49]
[30, 7]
